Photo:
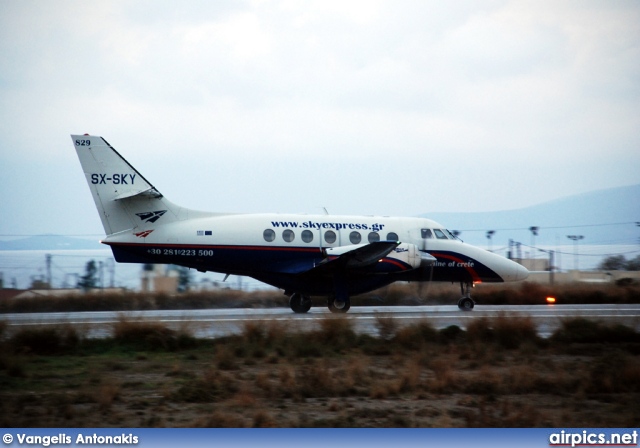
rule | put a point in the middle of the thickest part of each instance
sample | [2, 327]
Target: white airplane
[305, 255]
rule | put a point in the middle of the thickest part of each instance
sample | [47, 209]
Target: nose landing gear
[466, 303]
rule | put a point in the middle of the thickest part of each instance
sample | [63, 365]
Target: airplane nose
[513, 272]
[521, 272]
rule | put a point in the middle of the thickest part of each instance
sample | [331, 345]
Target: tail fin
[124, 198]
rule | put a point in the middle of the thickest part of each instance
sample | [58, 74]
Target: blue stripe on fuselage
[270, 261]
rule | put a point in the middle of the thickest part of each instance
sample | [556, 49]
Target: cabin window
[307, 236]
[330, 236]
[373, 237]
[269, 235]
[355, 237]
[392, 236]
[426, 233]
[440, 234]
[288, 235]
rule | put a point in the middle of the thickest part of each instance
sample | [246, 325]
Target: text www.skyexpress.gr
[327, 225]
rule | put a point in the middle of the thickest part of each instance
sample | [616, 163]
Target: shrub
[626, 281]
[507, 331]
[254, 332]
[336, 332]
[47, 340]
[142, 335]
[220, 419]
[512, 331]
[210, 387]
[386, 326]
[614, 372]
[451, 334]
[584, 331]
[416, 335]
[479, 330]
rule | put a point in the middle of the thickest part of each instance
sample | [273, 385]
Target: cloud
[389, 100]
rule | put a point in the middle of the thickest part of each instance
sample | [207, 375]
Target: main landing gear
[299, 303]
[466, 303]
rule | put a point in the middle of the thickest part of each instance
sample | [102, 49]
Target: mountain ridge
[51, 242]
[607, 216]
[604, 217]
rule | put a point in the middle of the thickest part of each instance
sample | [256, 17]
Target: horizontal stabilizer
[151, 192]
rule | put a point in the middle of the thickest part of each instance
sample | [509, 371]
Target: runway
[212, 323]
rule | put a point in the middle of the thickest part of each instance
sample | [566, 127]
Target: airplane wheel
[299, 303]
[339, 307]
[466, 304]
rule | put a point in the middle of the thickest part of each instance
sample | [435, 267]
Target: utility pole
[111, 267]
[534, 233]
[489, 235]
[551, 266]
[101, 270]
[575, 239]
[48, 261]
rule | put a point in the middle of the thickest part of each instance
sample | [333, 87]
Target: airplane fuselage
[276, 248]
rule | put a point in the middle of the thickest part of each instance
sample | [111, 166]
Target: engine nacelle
[399, 256]
[411, 255]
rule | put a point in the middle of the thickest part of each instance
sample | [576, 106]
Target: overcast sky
[362, 107]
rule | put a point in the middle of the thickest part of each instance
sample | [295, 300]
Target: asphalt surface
[213, 323]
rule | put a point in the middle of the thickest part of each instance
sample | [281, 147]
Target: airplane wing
[353, 257]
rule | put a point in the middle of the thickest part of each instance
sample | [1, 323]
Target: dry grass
[581, 330]
[527, 293]
[46, 340]
[508, 330]
[106, 394]
[148, 335]
[523, 293]
[414, 376]
[132, 301]
[386, 325]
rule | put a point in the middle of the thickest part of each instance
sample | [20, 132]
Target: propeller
[428, 262]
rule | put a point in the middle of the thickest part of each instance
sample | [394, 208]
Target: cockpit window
[440, 234]
[450, 234]
[426, 233]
